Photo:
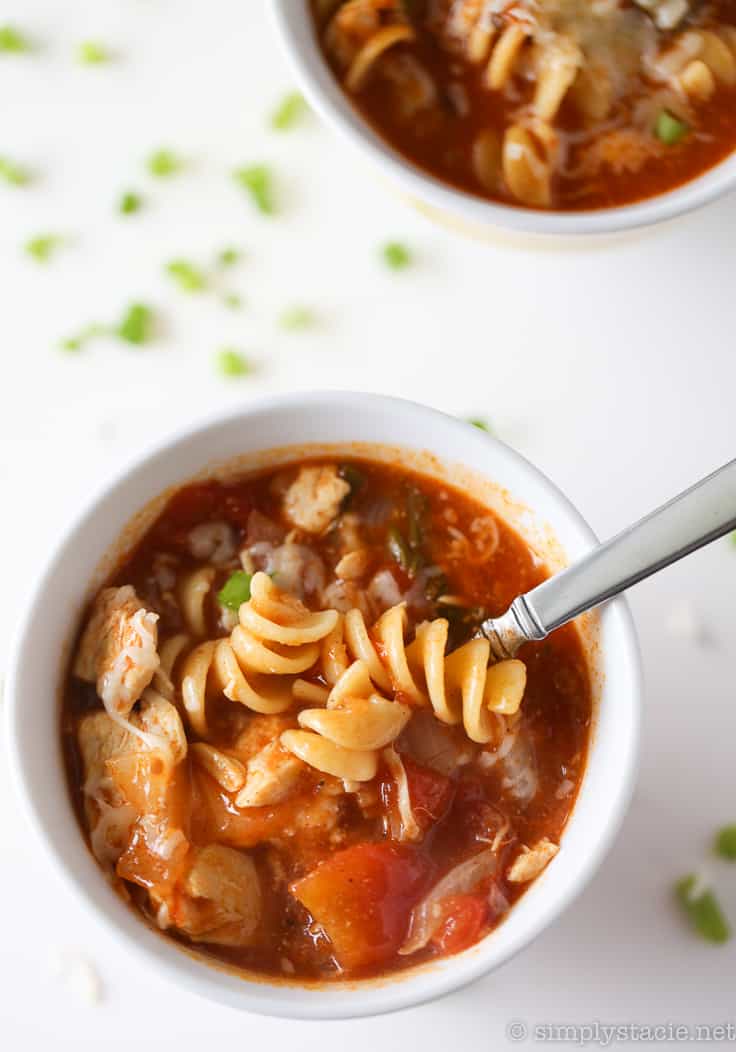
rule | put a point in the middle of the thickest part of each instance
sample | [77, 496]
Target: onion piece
[427, 916]
[409, 827]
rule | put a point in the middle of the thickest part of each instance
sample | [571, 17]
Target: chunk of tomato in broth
[464, 918]
[362, 898]
[430, 795]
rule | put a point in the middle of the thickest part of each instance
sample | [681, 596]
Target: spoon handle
[696, 517]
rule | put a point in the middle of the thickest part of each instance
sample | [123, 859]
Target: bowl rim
[330, 102]
[358, 998]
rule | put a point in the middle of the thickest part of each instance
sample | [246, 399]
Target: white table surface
[613, 369]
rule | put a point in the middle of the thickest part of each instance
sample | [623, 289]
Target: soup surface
[565, 104]
[286, 748]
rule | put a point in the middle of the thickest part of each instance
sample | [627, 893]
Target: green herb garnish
[258, 182]
[136, 325]
[289, 112]
[188, 277]
[396, 255]
[232, 300]
[13, 173]
[89, 332]
[669, 129]
[235, 591]
[725, 843]
[232, 363]
[130, 202]
[398, 548]
[481, 424]
[12, 41]
[92, 53]
[228, 257]
[295, 318]
[703, 910]
[164, 163]
[42, 248]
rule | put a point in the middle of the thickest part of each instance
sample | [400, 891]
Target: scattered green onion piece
[258, 182]
[725, 844]
[295, 318]
[481, 424]
[703, 911]
[42, 248]
[235, 591]
[232, 300]
[396, 256]
[136, 325]
[188, 277]
[669, 129]
[399, 549]
[13, 173]
[232, 363]
[733, 538]
[228, 257]
[92, 53]
[130, 202]
[164, 163]
[12, 41]
[289, 112]
[89, 332]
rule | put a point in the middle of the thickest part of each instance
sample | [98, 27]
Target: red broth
[567, 105]
[316, 876]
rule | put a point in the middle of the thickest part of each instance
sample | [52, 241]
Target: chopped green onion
[13, 41]
[188, 277]
[232, 300]
[42, 248]
[417, 506]
[396, 255]
[258, 181]
[235, 591]
[164, 163]
[130, 202]
[726, 843]
[703, 910]
[13, 173]
[481, 424]
[232, 363]
[89, 332]
[92, 53]
[228, 257]
[294, 318]
[733, 538]
[399, 549]
[669, 129]
[289, 112]
[136, 325]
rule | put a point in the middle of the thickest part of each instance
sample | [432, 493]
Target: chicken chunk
[118, 649]
[313, 499]
[109, 816]
[160, 722]
[530, 862]
[273, 775]
[222, 902]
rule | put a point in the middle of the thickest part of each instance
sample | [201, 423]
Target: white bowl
[474, 214]
[255, 437]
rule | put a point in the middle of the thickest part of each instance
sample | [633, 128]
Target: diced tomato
[464, 919]
[430, 793]
[362, 898]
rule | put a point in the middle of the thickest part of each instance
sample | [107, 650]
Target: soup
[562, 104]
[285, 746]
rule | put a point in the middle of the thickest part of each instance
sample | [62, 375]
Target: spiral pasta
[361, 32]
[344, 739]
[699, 61]
[277, 638]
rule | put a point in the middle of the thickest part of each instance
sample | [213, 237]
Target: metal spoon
[696, 517]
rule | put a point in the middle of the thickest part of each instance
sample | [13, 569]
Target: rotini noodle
[275, 641]
[344, 739]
